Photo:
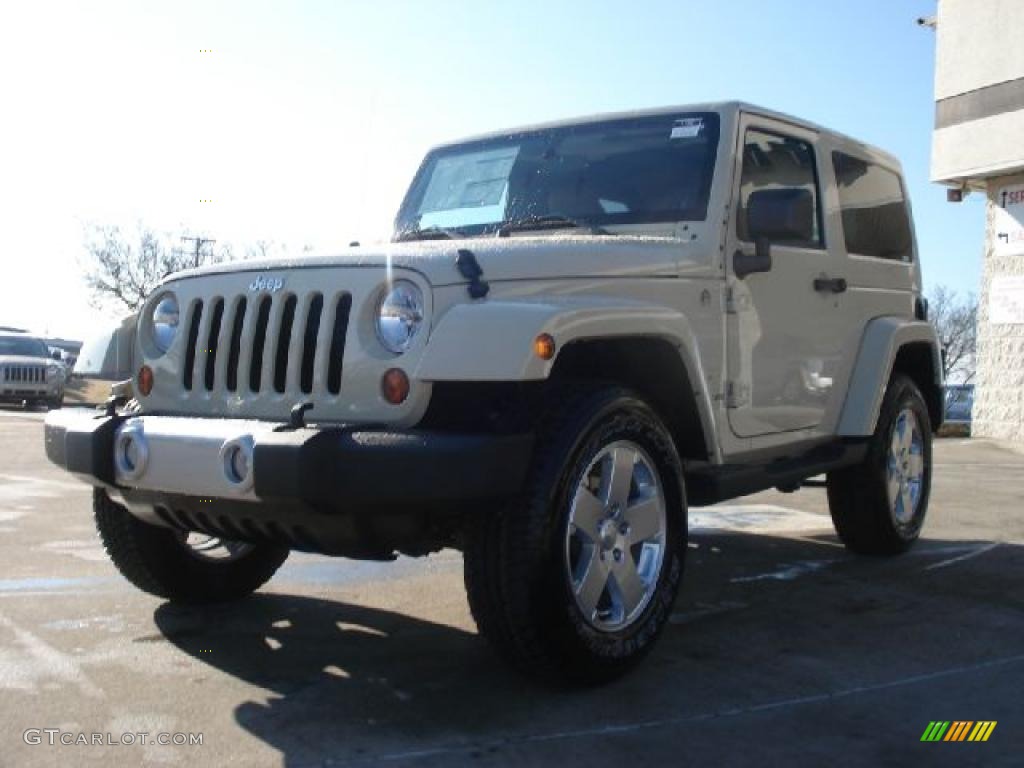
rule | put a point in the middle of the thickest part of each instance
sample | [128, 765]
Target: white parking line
[19, 487]
[41, 661]
[961, 558]
[615, 728]
[755, 518]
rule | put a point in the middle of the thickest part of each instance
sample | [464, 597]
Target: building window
[874, 209]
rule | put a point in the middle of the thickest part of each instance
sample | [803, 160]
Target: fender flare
[882, 340]
[493, 341]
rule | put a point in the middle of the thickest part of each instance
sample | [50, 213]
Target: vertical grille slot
[211, 343]
[258, 343]
[235, 345]
[337, 354]
[193, 339]
[316, 308]
[284, 339]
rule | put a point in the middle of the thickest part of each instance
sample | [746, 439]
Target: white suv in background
[28, 373]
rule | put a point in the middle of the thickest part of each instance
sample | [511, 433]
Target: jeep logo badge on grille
[268, 284]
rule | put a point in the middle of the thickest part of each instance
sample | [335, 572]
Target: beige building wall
[979, 90]
[999, 393]
[978, 142]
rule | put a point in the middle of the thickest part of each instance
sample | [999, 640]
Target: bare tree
[121, 272]
[261, 249]
[956, 323]
[269, 249]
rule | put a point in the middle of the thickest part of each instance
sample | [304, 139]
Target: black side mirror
[774, 215]
[780, 215]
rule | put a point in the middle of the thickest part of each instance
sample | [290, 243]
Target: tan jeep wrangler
[578, 330]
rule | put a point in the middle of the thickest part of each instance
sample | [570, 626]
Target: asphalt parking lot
[782, 649]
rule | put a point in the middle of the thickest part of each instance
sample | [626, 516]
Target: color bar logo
[958, 730]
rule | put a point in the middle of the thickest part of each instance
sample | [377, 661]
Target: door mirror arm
[760, 260]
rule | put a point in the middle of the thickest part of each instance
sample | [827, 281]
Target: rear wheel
[879, 506]
[178, 565]
[578, 578]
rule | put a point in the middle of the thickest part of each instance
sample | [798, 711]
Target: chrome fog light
[131, 451]
[236, 462]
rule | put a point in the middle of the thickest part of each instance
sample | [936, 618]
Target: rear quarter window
[873, 209]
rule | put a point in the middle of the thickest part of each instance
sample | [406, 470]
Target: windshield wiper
[428, 233]
[550, 221]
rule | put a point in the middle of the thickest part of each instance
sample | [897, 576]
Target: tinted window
[772, 161]
[631, 171]
[873, 207]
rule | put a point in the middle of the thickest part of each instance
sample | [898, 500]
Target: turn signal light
[394, 386]
[544, 346]
[145, 380]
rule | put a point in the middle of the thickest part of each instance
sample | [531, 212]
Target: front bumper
[16, 394]
[179, 471]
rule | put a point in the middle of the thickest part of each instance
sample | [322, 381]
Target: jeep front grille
[23, 374]
[283, 343]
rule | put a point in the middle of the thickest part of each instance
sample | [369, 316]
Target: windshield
[630, 171]
[20, 346]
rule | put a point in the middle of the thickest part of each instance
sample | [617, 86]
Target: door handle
[830, 284]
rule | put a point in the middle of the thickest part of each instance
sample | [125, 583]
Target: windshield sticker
[687, 128]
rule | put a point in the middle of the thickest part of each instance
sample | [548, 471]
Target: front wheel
[180, 566]
[879, 505]
[578, 578]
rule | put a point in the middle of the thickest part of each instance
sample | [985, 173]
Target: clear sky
[306, 119]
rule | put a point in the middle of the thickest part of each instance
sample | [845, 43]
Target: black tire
[858, 498]
[156, 561]
[55, 403]
[515, 561]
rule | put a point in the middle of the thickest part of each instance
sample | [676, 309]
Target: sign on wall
[1009, 221]
[1006, 300]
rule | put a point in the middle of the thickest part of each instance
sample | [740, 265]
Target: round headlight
[399, 316]
[165, 322]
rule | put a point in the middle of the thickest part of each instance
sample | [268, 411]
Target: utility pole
[199, 243]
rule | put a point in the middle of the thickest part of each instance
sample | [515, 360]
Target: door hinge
[735, 302]
[737, 394]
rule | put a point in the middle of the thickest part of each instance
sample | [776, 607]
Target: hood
[513, 258]
[23, 360]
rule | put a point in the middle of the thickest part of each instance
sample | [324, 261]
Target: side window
[781, 168]
[873, 208]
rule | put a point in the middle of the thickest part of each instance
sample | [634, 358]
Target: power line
[199, 243]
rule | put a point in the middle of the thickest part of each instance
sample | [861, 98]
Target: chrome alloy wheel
[615, 539]
[214, 548]
[905, 471]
